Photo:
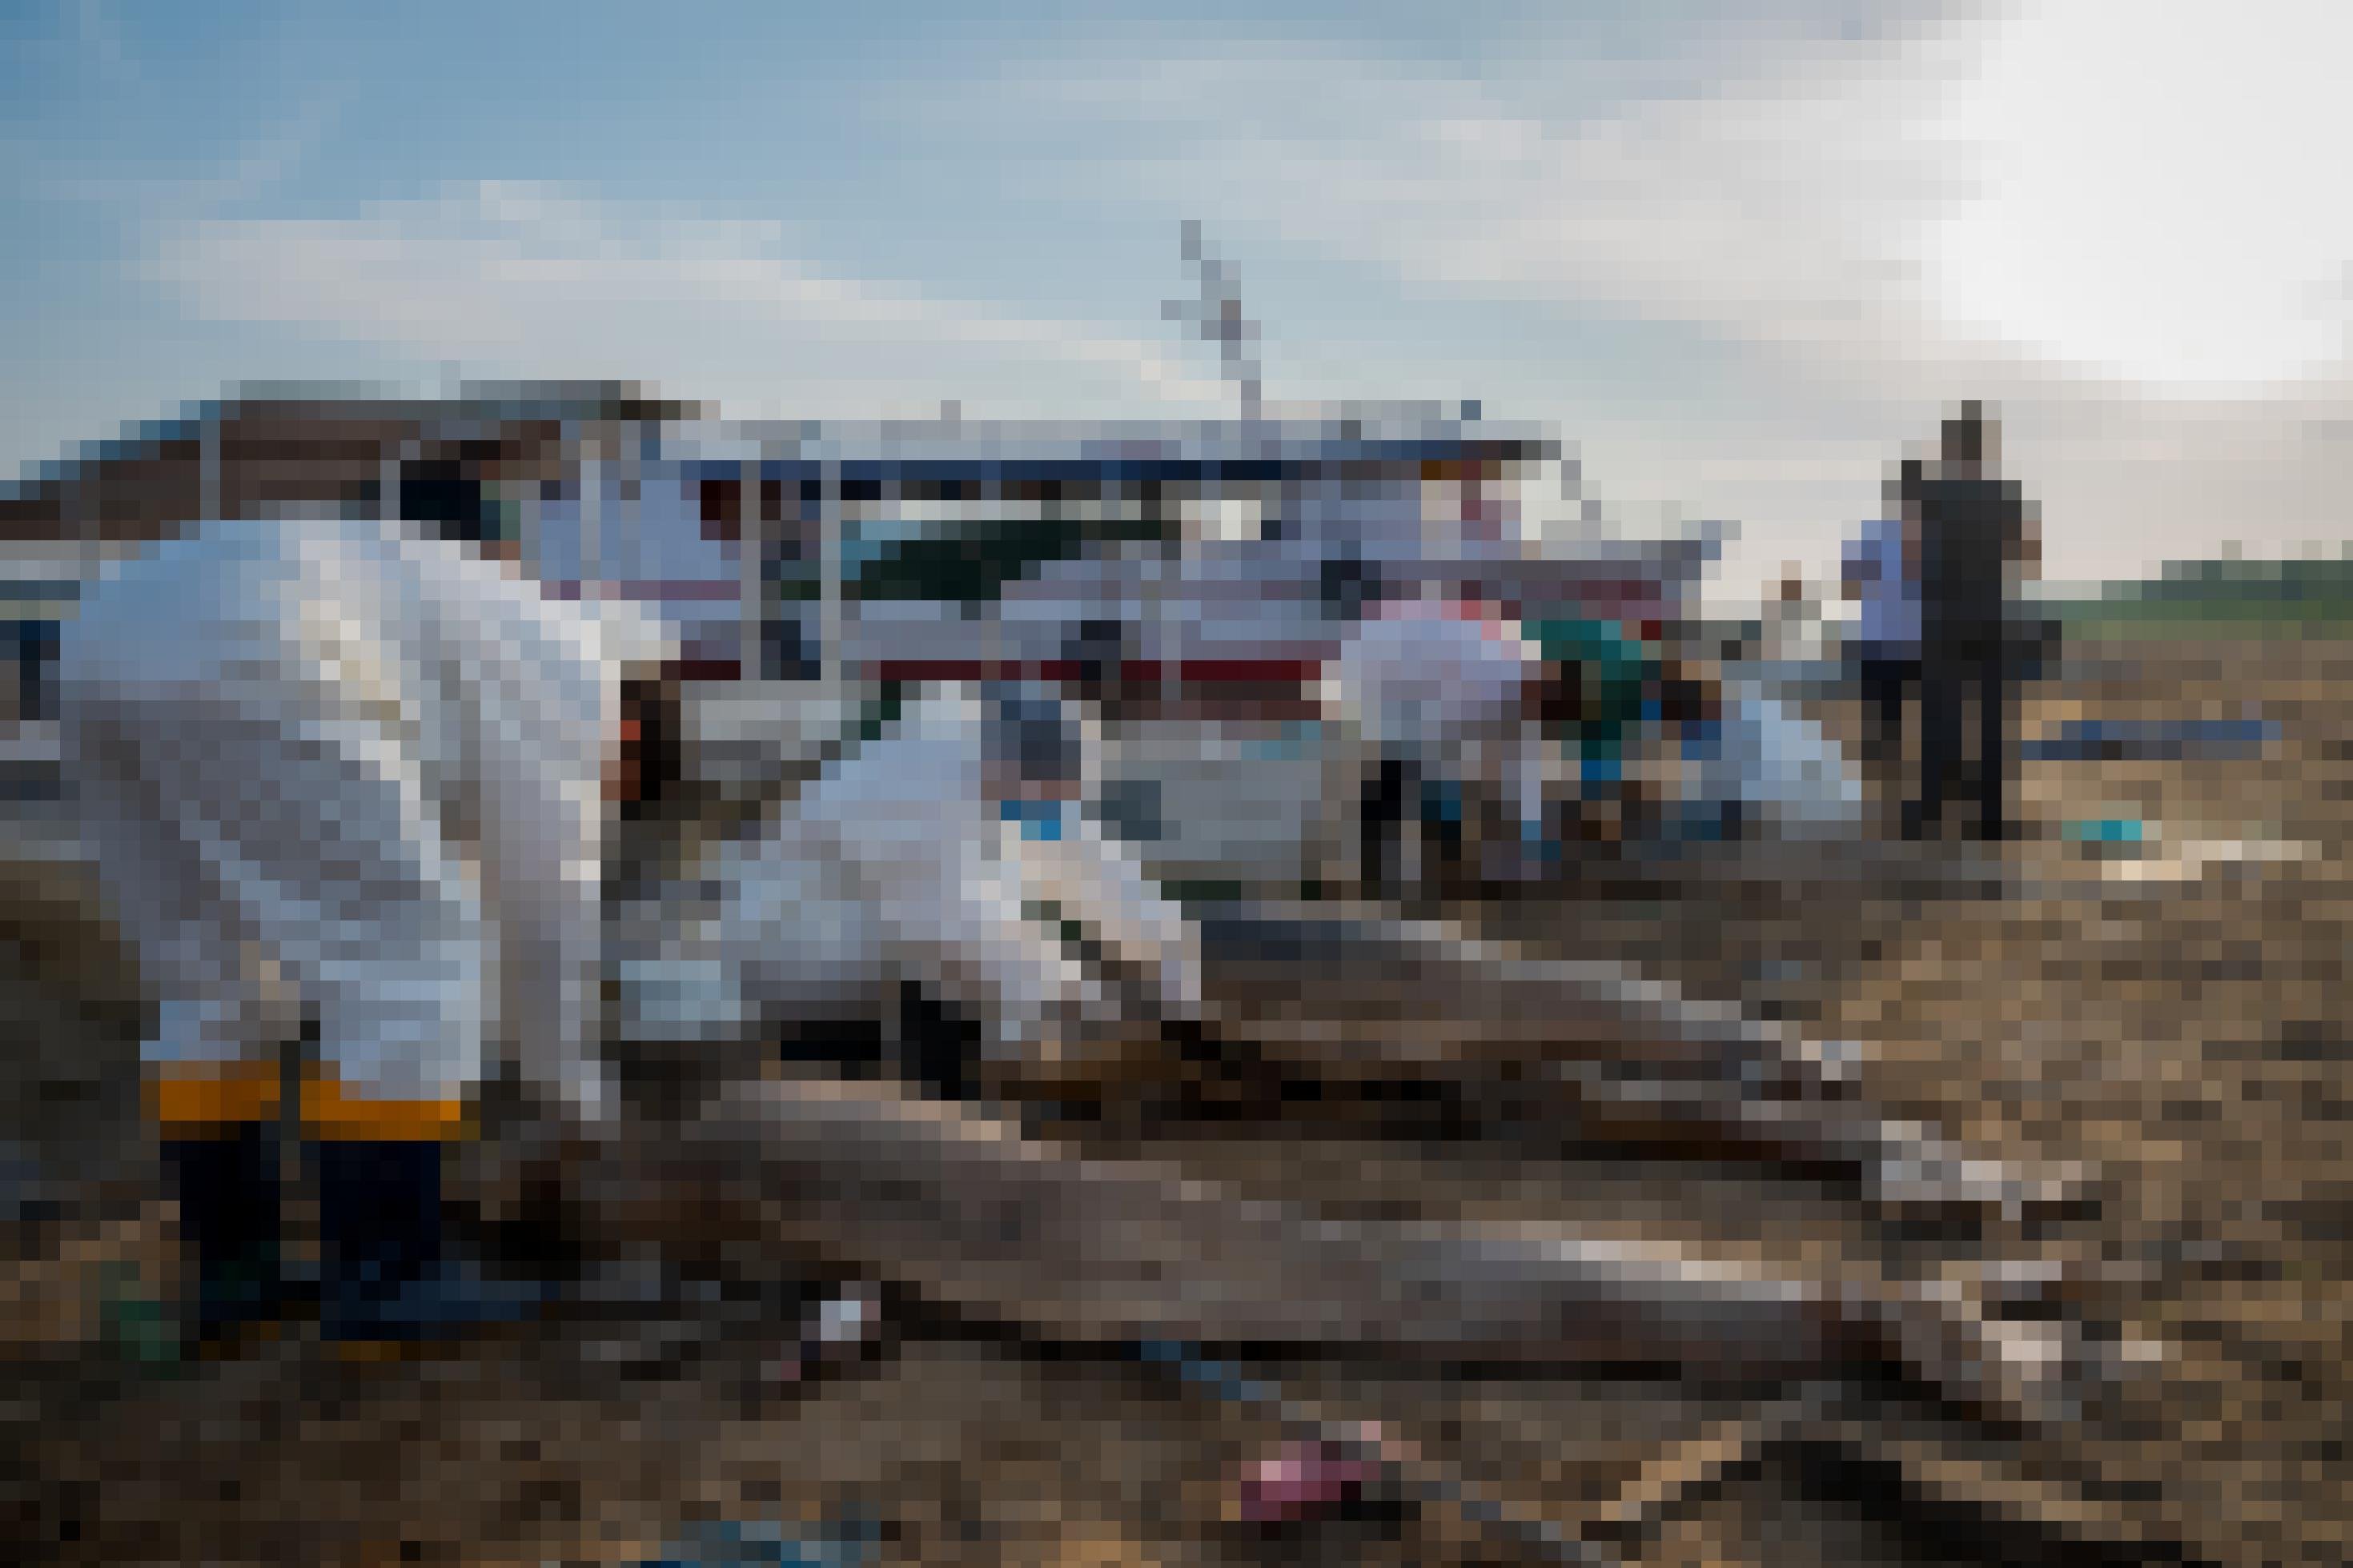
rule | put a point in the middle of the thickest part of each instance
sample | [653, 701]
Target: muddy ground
[2174, 1015]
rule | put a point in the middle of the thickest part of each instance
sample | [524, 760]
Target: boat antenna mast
[1216, 317]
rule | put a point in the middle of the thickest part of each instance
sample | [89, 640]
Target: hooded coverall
[906, 864]
[336, 776]
[330, 769]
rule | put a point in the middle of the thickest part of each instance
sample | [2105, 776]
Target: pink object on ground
[1300, 1481]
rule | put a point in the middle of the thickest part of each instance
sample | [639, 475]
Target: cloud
[1822, 192]
[1791, 205]
[1781, 204]
[1846, 199]
[2148, 192]
[531, 279]
[1770, 200]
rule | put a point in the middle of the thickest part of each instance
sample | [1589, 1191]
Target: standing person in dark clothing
[1976, 543]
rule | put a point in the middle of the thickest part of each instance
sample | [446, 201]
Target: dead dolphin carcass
[967, 1211]
[1359, 999]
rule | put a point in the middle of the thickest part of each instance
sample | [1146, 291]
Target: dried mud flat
[2178, 1023]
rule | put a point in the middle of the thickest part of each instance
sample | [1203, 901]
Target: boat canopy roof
[1133, 452]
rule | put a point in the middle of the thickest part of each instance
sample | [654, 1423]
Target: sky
[1742, 255]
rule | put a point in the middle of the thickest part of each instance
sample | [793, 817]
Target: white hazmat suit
[903, 864]
[331, 769]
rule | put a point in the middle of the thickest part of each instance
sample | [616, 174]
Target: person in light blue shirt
[1880, 573]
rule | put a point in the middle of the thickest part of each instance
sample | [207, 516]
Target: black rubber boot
[227, 1189]
[388, 1270]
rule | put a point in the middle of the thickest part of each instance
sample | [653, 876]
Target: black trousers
[1887, 683]
[1396, 794]
[1950, 677]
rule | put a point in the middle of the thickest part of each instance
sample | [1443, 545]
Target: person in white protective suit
[1441, 699]
[948, 852]
[1766, 769]
[343, 781]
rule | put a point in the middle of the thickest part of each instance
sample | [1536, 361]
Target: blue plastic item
[2106, 830]
[741, 1543]
[2097, 739]
[1039, 819]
